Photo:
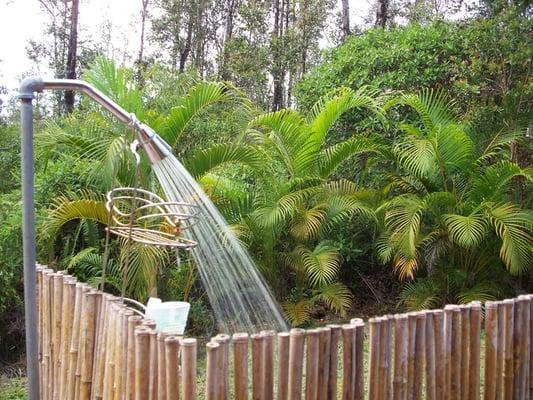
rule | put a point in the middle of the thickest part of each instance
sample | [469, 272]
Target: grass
[13, 389]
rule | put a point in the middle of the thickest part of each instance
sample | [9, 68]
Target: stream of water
[240, 298]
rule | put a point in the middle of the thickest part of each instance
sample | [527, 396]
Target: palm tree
[286, 215]
[449, 214]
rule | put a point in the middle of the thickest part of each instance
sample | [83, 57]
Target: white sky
[23, 20]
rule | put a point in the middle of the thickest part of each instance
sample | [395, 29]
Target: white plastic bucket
[169, 316]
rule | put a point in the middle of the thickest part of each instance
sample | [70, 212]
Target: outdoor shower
[186, 219]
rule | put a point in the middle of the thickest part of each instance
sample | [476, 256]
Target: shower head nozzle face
[154, 146]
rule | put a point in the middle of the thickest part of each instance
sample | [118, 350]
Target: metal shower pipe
[155, 148]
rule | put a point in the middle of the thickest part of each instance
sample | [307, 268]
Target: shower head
[154, 146]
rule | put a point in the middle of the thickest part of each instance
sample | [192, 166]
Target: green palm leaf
[466, 231]
[336, 296]
[321, 264]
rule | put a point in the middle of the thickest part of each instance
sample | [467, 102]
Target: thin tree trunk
[381, 13]
[228, 33]
[345, 19]
[72, 53]
[187, 48]
[140, 58]
[277, 71]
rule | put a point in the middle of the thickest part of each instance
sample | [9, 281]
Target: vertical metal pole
[28, 245]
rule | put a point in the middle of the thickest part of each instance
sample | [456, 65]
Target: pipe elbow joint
[29, 86]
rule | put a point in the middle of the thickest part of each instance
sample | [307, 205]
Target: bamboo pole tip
[354, 321]
[348, 327]
[491, 304]
[256, 337]
[212, 346]
[240, 337]
[283, 335]
[134, 319]
[188, 342]
[297, 332]
[400, 317]
[161, 336]
[333, 327]
[222, 338]
[268, 333]
[141, 331]
[171, 340]
[324, 329]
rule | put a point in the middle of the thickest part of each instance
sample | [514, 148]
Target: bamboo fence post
[373, 363]
[440, 354]
[324, 343]
[240, 365]
[348, 361]
[508, 367]
[154, 382]
[57, 281]
[188, 368]
[109, 371]
[447, 346]
[69, 298]
[420, 354]
[172, 344]
[333, 360]
[45, 334]
[521, 352]
[475, 343]
[465, 350]
[142, 354]
[296, 352]
[100, 361]
[530, 336]
[401, 344]
[222, 366]
[40, 326]
[257, 367]
[161, 363]
[384, 358]
[359, 380]
[431, 390]
[74, 343]
[411, 354]
[491, 344]
[283, 364]
[129, 378]
[500, 362]
[121, 351]
[81, 342]
[268, 364]
[456, 360]
[311, 366]
[212, 372]
[224, 341]
[90, 310]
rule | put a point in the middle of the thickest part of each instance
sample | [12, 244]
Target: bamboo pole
[456, 359]
[348, 361]
[109, 372]
[440, 351]
[520, 350]
[188, 367]
[80, 346]
[172, 344]
[153, 382]
[121, 350]
[90, 310]
[57, 295]
[500, 362]
[258, 388]
[333, 360]
[283, 364]
[374, 354]
[447, 346]
[240, 365]
[161, 364]
[100, 361]
[475, 343]
[384, 358]
[212, 372]
[268, 364]
[508, 367]
[75, 340]
[40, 327]
[224, 341]
[129, 378]
[465, 350]
[530, 329]
[296, 351]
[401, 344]
[491, 345]
[142, 354]
[46, 323]
[411, 354]
[69, 296]
[324, 344]
[311, 367]
[359, 380]
[420, 354]
[431, 389]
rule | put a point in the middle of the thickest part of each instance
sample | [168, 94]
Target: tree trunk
[72, 53]
[140, 58]
[345, 19]
[187, 48]
[228, 33]
[381, 13]
[277, 69]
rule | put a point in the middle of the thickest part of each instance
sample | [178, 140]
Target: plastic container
[169, 316]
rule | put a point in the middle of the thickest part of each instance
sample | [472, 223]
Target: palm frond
[297, 313]
[421, 294]
[321, 264]
[466, 230]
[307, 222]
[336, 296]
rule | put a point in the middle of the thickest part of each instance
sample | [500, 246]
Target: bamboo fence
[92, 346]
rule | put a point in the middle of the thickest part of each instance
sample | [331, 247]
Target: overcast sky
[23, 20]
